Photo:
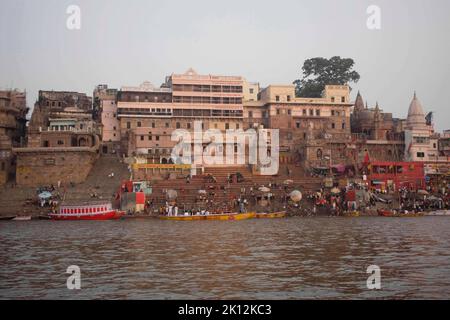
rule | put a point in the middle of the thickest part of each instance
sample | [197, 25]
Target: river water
[294, 258]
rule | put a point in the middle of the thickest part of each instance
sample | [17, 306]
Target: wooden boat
[271, 215]
[222, 217]
[93, 211]
[351, 214]
[439, 213]
[390, 213]
[386, 213]
[7, 218]
[22, 218]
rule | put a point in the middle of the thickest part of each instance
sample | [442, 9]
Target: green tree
[318, 72]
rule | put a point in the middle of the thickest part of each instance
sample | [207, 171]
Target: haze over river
[293, 258]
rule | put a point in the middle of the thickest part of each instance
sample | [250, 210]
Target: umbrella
[423, 192]
[202, 191]
[264, 189]
[335, 191]
[296, 196]
[45, 195]
[288, 181]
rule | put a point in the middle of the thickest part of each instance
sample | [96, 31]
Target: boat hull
[387, 213]
[351, 214]
[271, 215]
[217, 217]
[110, 215]
[441, 213]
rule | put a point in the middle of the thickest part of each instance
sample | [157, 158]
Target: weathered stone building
[313, 131]
[376, 132]
[63, 141]
[105, 114]
[13, 111]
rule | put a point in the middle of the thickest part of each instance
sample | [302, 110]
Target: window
[277, 98]
[60, 142]
[128, 125]
[304, 112]
[332, 113]
[157, 138]
[332, 99]
[343, 125]
[178, 125]
[167, 124]
[420, 154]
[319, 153]
[289, 111]
[251, 90]
[215, 126]
[153, 124]
[311, 112]
[288, 98]
[278, 111]
[250, 114]
[297, 124]
[237, 125]
[227, 126]
[3, 166]
[139, 124]
[343, 99]
[333, 126]
[318, 112]
[150, 138]
[142, 138]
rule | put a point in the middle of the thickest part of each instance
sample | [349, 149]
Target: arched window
[319, 154]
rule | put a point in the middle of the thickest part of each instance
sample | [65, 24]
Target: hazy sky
[124, 42]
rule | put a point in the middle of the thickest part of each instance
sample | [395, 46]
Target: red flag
[366, 158]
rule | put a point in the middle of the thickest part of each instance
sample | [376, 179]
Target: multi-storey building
[13, 111]
[105, 112]
[314, 131]
[63, 140]
[148, 115]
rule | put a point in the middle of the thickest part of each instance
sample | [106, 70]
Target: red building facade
[385, 175]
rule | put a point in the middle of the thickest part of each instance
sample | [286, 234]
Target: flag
[366, 158]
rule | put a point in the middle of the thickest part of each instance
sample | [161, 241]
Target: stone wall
[45, 166]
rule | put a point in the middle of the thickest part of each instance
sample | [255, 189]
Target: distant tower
[359, 103]
[417, 133]
[377, 122]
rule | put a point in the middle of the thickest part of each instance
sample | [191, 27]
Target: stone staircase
[99, 180]
[13, 200]
[225, 192]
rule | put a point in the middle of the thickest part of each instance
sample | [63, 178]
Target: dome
[416, 117]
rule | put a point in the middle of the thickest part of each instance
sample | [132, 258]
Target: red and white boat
[91, 211]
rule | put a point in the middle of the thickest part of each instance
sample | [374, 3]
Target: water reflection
[257, 259]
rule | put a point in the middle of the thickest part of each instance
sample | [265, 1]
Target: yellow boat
[409, 215]
[351, 214]
[271, 215]
[222, 217]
